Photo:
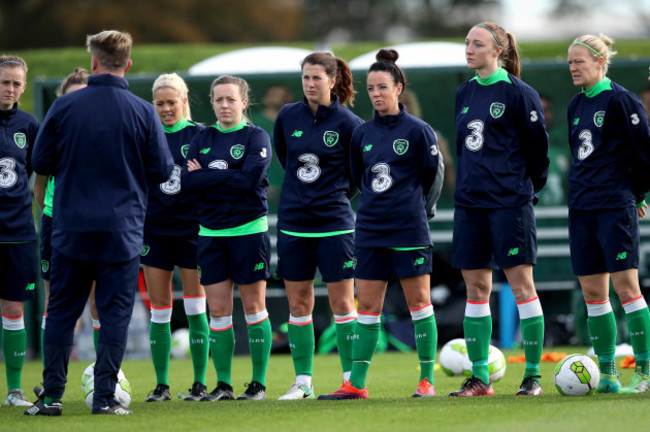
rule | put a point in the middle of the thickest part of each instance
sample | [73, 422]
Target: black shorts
[166, 252]
[18, 270]
[497, 238]
[604, 241]
[244, 259]
[298, 257]
[389, 264]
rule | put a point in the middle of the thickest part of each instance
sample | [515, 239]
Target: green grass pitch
[391, 381]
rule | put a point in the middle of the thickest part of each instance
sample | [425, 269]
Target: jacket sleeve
[356, 160]
[433, 170]
[279, 140]
[634, 122]
[45, 157]
[159, 160]
[535, 138]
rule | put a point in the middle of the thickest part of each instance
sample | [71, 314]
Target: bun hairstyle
[510, 59]
[599, 46]
[78, 76]
[339, 70]
[386, 59]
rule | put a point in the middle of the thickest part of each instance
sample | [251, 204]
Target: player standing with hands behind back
[502, 149]
[608, 179]
[104, 145]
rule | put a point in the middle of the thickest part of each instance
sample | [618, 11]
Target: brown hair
[386, 59]
[244, 89]
[111, 48]
[509, 57]
[78, 76]
[599, 46]
[339, 70]
[13, 61]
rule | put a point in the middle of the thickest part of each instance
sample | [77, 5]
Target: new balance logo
[513, 252]
[418, 261]
[576, 121]
[621, 256]
[259, 266]
[367, 148]
[348, 264]
[30, 287]
[296, 133]
[205, 150]
[464, 110]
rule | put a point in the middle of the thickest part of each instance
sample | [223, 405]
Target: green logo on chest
[599, 118]
[330, 138]
[237, 151]
[400, 146]
[20, 139]
[497, 109]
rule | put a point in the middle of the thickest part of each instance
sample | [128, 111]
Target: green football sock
[199, 345]
[478, 332]
[363, 349]
[426, 342]
[160, 338]
[302, 343]
[602, 332]
[532, 335]
[14, 343]
[260, 338]
[222, 346]
[344, 338]
[96, 337]
[638, 324]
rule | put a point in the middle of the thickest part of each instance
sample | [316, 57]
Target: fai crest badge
[599, 118]
[45, 266]
[237, 151]
[20, 139]
[145, 250]
[497, 109]
[330, 138]
[400, 146]
[184, 149]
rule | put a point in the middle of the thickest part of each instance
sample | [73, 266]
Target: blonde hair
[174, 81]
[510, 59]
[111, 48]
[599, 46]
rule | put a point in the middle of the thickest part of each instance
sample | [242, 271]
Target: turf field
[392, 379]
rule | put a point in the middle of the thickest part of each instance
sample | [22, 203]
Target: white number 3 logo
[533, 116]
[263, 152]
[635, 119]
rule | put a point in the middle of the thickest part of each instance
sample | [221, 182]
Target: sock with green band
[199, 345]
[14, 343]
[96, 327]
[260, 338]
[363, 349]
[478, 331]
[160, 338]
[602, 332]
[43, 322]
[222, 346]
[345, 325]
[426, 341]
[302, 343]
[638, 325]
[532, 335]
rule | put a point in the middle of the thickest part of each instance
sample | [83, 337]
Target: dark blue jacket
[104, 145]
[315, 153]
[18, 132]
[230, 188]
[610, 144]
[171, 209]
[397, 166]
[501, 143]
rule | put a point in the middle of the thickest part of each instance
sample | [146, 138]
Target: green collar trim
[242, 124]
[179, 125]
[604, 84]
[498, 75]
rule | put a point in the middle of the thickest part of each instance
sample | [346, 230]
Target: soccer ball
[180, 343]
[452, 355]
[496, 364]
[122, 387]
[576, 375]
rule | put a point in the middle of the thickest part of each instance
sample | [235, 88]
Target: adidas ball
[122, 387]
[576, 375]
[180, 343]
[452, 356]
[496, 364]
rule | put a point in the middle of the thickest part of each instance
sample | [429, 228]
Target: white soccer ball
[496, 364]
[576, 375]
[452, 356]
[122, 387]
[180, 343]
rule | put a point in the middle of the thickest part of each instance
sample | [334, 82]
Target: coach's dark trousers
[70, 284]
